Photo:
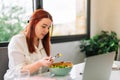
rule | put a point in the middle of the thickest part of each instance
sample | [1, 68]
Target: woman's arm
[16, 51]
[46, 61]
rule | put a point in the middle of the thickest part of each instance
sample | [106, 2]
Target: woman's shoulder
[20, 35]
[18, 38]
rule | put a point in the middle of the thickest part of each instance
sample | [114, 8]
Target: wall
[105, 15]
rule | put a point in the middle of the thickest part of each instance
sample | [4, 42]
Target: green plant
[11, 22]
[101, 43]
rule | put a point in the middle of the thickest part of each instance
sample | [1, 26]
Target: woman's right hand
[46, 61]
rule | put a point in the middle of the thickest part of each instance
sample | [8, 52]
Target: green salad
[61, 65]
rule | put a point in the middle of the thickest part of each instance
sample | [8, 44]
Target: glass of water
[22, 75]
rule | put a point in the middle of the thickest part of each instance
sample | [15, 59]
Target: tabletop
[76, 72]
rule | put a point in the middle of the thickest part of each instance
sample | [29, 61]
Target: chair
[3, 61]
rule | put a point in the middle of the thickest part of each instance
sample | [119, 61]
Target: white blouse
[19, 55]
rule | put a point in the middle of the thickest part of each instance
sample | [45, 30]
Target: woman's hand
[46, 61]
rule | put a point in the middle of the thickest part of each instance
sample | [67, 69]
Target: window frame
[37, 4]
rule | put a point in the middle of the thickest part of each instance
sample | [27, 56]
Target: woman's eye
[43, 26]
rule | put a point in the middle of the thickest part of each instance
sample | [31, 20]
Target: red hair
[35, 18]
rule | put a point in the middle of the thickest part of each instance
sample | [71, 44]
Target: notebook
[98, 67]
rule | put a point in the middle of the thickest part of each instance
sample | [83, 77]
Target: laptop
[98, 67]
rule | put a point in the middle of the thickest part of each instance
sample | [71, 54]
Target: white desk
[78, 68]
[115, 75]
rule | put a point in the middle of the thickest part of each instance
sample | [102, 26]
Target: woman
[30, 50]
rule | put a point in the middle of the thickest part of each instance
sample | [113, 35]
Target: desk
[115, 75]
[78, 68]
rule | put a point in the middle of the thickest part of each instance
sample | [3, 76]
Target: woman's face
[42, 28]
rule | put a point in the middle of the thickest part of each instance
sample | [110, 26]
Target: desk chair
[3, 61]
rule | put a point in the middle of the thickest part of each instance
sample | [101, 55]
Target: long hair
[35, 18]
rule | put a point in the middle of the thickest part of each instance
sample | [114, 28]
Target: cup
[22, 75]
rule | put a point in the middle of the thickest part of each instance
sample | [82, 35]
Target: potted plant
[104, 42]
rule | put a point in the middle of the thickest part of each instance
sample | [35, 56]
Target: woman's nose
[46, 30]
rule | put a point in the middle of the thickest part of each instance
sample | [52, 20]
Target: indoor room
[74, 29]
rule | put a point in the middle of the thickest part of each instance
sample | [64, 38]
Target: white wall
[105, 15]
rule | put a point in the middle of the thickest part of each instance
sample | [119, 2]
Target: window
[70, 17]
[14, 15]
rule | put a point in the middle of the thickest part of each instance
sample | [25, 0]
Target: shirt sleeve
[16, 53]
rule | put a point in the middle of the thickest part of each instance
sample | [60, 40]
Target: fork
[56, 56]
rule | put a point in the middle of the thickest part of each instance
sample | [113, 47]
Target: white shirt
[19, 55]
